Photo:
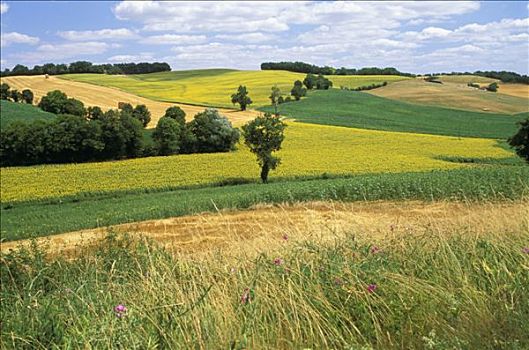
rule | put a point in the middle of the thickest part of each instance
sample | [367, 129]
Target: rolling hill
[363, 110]
[213, 87]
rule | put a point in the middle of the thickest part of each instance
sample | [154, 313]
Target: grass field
[362, 110]
[455, 93]
[309, 150]
[11, 111]
[107, 98]
[213, 87]
[34, 219]
[411, 283]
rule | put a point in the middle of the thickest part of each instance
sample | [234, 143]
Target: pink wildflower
[120, 310]
[525, 250]
[278, 261]
[371, 288]
[285, 237]
[375, 250]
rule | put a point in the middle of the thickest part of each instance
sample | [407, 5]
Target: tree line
[88, 67]
[80, 134]
[302, 67]
[503, 76]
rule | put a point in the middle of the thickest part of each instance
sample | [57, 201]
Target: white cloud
[251, 38]
[143, 57]
[59, 52]
[102, 34]
[174, 39]
[3, 7]
[17, 38]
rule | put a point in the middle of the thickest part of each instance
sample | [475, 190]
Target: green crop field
[363, 110]
[11, 111]
[213, 87]
[24, 220]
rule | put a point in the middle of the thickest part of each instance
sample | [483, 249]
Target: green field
[363, 110]
[213, 87]
[25, 220]
[11, 111]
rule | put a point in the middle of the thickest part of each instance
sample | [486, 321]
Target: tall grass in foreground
[434, 291]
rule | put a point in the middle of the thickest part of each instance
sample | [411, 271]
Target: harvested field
[263, 227]
[458, 95]
[107, 97]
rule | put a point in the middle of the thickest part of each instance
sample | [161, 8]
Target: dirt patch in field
[266, 227]
[107, 98]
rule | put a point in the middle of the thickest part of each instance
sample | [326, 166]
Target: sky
[416, 37]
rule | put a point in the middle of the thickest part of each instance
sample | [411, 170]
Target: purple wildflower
[371, 288]
[375, 250]
[285, 237]
[278, 261]
[120, 310]
[338, 281]
[525, 250]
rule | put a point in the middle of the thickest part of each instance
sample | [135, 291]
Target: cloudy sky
[416, 37]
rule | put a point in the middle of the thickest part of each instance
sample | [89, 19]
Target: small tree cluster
[317, 82]
[208, 132]
[298, 91]
[473, 85]
[14, 95]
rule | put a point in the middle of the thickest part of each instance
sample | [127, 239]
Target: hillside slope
[107, 97]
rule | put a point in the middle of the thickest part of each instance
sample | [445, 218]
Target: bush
[213, 132]
[493, 87]
[4, 91]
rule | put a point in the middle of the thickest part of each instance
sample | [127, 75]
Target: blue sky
[416, 37]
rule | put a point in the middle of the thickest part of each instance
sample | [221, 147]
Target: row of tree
[81, 134]
[503, 76]
[365, 87]
[302, 67]
[88, 67]
[8, 94]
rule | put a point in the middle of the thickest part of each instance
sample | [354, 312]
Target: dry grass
[458, 95]
[107, 98]
[261, 228]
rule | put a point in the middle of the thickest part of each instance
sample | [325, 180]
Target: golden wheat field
[107, 98]
[308, 150]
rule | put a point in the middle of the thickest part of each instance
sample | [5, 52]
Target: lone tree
[520, 141]
[241, 97]
[298, 91]
[264, 135]
[276, 99]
